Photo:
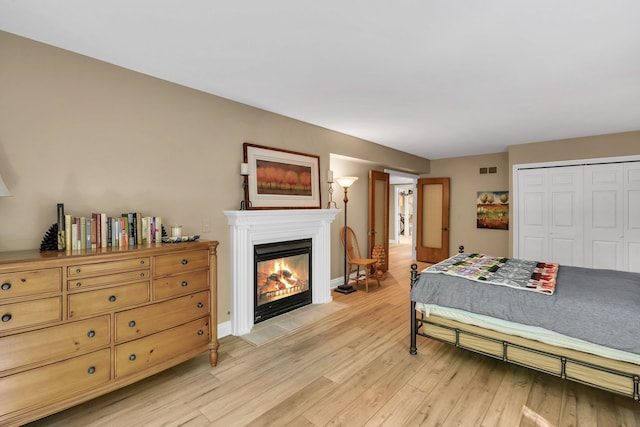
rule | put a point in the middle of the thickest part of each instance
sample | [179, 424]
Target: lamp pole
[346, 182]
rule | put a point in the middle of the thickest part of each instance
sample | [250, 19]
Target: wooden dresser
[78, 325]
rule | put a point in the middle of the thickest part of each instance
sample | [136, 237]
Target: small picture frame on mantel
[281, 179]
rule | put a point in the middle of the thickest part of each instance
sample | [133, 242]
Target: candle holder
[244, 171]
[331, 197]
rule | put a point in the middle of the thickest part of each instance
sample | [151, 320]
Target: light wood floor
[353, 369]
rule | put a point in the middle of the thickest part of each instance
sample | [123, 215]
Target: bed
[577, 323]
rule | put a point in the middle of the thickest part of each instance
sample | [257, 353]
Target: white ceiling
[437, 79]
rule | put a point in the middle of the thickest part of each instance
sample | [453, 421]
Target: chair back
[350, 242]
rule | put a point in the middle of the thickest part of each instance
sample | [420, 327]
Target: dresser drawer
[52, 382]
[106, 267]
[183, 261]
[109, 299]
[171, 286]
[153, 318]
[30, 313]
[33, 282]
[136, 356]
[61, 341]
[108, 279]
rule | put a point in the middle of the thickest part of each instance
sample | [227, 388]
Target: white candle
[176, 231]
[244, 169]
[329, 176]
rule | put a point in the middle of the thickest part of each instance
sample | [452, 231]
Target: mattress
[525, 331]
[596, 307]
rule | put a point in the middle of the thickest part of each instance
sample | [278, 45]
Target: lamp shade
[4, 191]
[346, 181]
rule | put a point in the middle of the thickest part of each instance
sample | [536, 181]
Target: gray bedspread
[598, 306]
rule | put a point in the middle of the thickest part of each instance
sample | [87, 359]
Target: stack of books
[100, 230]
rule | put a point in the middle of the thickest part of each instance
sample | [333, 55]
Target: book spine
[124, 233]
[88, 236]
[132, 230]
[74, 235]
[116, 232]
[95, 230]
[83, 233]
[139, 228]
[103, 230]
[61, 236]
[158, 237]
[67, 233]
[79, 227]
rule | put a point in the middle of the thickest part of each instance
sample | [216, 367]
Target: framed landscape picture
[281, 179]
[493, 210]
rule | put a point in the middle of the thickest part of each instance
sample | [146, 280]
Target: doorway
[404, 214]
[402, 210]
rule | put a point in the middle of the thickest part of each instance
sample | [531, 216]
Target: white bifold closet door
[550, 215]
[582, 215]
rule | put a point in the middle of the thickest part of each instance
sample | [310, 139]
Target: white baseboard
[224, 329]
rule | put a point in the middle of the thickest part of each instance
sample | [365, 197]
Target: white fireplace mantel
[256, 227]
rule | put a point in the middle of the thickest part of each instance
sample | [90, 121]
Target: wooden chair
[355, 260]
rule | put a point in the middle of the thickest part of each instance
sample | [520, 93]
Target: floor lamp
[345, 182]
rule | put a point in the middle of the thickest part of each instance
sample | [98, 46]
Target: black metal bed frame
[418, 322]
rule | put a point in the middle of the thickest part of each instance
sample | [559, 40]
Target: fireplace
[282, 279]
[250, 228]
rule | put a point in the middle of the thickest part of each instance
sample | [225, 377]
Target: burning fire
[281, 274]
[278, 279]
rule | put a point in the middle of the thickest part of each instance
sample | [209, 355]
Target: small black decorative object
[164, 232]
[50, 239]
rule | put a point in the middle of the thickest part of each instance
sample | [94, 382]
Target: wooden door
[432, 220]
[378, 233]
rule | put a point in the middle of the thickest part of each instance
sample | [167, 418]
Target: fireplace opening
[282, 277]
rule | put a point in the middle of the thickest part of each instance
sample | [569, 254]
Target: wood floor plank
[399, 367]
[446, 393]
[476, 398]
[507, 403]
[291, 409]
[545, 399]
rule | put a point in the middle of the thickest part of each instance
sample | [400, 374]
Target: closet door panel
[532, 215]
[566, 222]
[632, 216]
[604, 226]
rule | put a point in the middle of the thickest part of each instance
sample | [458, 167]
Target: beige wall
[100, 138]
[465, 182]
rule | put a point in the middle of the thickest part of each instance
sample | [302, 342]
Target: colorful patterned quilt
[516, 273]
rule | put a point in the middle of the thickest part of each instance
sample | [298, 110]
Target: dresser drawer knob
[132, 357]
[141, 262]
[200, 332]
[91, 370]
[184, 284]
[78, 270]
[112, 298]
[79, 284]
[185, 262]
[6, 286]
[200, 305]
[6, 317]
[142, 274]
[132, 323]
[91, 334]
